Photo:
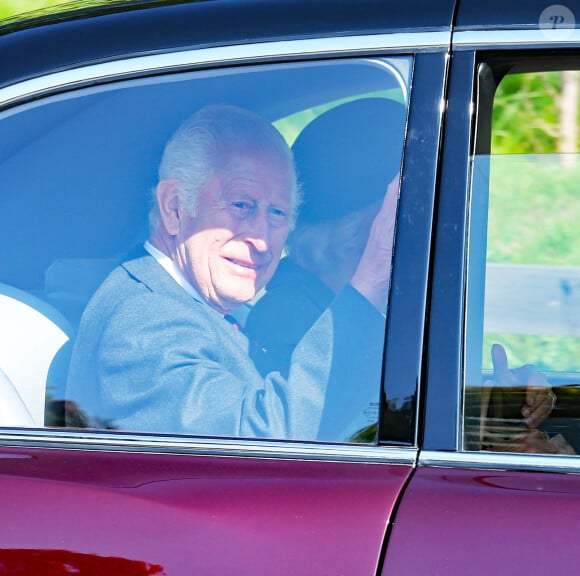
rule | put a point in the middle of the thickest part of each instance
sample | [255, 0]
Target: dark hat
[347, 156]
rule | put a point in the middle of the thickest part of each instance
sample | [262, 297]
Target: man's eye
[242, 207]
[278, 213]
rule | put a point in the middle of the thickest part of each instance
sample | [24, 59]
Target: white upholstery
[31, 334]
[13, 411]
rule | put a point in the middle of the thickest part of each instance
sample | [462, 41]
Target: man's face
[230, 249]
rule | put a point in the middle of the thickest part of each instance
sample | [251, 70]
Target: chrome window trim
[286, 450]
[477, 39]
[501, 461]
[178, 60]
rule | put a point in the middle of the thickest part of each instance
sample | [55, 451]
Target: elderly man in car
[157, 349]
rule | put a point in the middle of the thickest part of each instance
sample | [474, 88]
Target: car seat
[32, 334]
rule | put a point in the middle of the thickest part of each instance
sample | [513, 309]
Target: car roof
[502, 15]
[106, 31]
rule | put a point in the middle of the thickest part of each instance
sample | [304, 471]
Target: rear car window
[524, 270]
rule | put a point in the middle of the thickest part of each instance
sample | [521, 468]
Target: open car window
[80, 171]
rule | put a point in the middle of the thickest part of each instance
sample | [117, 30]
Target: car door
[82, 136]
[493, 493]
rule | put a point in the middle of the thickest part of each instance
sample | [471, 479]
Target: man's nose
[258, 232]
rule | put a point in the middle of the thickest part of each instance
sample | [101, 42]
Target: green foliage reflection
[534, 200]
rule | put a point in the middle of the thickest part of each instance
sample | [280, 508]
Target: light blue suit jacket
[149, 357]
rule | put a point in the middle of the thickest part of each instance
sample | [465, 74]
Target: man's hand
[540, 399]
[373, 274]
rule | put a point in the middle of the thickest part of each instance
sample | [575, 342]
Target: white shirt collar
[171, 268]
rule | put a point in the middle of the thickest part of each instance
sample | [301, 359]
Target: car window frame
[470, 92]
[407, 44]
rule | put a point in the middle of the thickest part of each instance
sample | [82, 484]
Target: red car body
[412, 501]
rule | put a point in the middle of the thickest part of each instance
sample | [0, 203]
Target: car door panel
[485, 522]
[104, 501]
[198, 514]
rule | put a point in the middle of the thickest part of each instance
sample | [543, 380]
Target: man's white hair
[206, 142]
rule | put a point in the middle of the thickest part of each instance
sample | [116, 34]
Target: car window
[221, 292]
[524, 271]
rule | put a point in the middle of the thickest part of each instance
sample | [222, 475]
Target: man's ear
[168, 202]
